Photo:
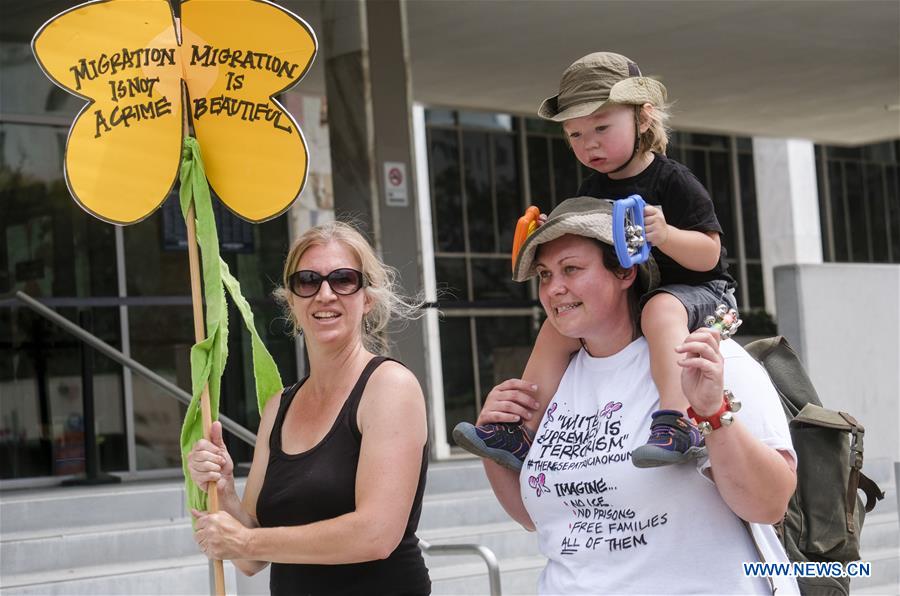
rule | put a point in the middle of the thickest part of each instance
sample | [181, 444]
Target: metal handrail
[101, 346]
[484, 552]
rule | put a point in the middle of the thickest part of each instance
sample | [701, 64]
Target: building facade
[475, 171]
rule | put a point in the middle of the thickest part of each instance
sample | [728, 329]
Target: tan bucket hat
[600, 78]
[583, 216]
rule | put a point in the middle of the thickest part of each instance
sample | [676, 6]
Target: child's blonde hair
[655, 138]
[381, 285]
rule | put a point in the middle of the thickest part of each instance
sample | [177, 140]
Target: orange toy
[526, 226]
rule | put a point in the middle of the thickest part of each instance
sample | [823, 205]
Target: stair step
[455, 533]
[461, 508]
[463, 474]
[880, 530]
[517, 576]
[45, 550]
[182, 575]
[885, 570]
[57, 508]
[882, 590]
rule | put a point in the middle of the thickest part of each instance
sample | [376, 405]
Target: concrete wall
[787, 201]
[844, 322]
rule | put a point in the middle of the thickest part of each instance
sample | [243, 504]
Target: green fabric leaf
[208, 357]
[265, 371]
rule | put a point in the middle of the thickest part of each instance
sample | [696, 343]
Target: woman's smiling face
[579, 294]
[327, 316]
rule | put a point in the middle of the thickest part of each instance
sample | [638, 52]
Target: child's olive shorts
[699, 300]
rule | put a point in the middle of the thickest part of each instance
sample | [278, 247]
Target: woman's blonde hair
[380, 283]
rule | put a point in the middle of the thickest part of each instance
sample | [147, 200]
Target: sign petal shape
[255, 154]
[124, 147]
[124, 58]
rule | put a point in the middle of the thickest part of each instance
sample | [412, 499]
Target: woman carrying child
[605, 526]
[614, 120]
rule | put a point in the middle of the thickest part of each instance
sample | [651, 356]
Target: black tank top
[320, 484]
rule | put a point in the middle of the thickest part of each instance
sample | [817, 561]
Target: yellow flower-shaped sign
[124, 57]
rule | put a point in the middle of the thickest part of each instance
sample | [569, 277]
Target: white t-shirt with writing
[608, 527]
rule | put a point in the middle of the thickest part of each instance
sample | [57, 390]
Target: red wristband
[722, 417]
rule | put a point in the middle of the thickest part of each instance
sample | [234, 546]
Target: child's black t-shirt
[684, 201]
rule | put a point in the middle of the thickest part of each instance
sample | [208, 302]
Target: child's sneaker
[673, 440]
[504, 443]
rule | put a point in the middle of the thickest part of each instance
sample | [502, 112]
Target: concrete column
[788, 204]
[369, 99]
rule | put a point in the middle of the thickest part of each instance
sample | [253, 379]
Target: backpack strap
[857, 431]
[858, 480]
[759, 553]
[873, 493]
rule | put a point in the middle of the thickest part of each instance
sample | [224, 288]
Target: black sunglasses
[344, 281]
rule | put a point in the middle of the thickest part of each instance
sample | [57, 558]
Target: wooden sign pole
[199, 336]
[212, 491]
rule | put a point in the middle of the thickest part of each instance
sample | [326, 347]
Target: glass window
[485, 120]
[440, 117]
[892, 178]
[544, 127]
[862, 185]
[754, 282]
[492, 280]
[695, 160]
[838, 212]
[719, 187]
[881, 152]
[43, 97]
[161, 339]
[446, 195]
[565, 171]
[877, 211]
[507, 189]
[456, 365]
[854, 153]
[539, 173]
[479, 203]
[451, 276]
[504, 344]
[824, 206]
[856, 208]
[748, 207]
[51, 248]
[703, 140]
[41, 414]
[152, 267]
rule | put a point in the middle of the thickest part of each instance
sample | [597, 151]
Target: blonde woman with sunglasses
[335, 488]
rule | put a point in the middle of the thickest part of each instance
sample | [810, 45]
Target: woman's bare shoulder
[394, 377]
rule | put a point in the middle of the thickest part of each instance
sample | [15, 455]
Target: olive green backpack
[825, 516]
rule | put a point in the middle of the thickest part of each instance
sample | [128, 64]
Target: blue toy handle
[634, 250]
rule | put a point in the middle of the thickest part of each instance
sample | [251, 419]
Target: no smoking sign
[395, 191]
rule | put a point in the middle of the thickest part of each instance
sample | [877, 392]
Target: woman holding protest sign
[335, 488]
